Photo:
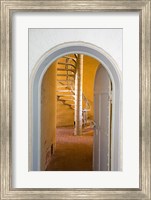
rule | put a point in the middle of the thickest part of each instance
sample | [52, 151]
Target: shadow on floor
[73, 153]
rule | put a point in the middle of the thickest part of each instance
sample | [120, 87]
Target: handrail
[88, 107]
[74, 59]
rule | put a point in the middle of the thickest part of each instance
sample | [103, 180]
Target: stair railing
[71, 86]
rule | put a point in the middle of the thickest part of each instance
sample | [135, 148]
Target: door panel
[102, 120]
[96, 163]
[104, 132]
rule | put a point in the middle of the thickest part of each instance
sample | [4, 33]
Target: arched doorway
[35, 92]
[71, 133]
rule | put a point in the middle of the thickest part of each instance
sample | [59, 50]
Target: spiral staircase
[66, 72]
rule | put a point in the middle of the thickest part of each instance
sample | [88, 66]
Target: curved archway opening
[67, 114]
[35, 88]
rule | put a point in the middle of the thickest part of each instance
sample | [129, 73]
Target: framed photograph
[75, 99]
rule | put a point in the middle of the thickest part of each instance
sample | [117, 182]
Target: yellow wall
[65, 115]
[90, 66]
[48, 114]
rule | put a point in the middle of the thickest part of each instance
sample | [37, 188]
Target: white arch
[35, 92]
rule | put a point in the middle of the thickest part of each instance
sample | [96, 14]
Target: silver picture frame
[8, 7]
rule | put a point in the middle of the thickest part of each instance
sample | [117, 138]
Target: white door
[102, 118]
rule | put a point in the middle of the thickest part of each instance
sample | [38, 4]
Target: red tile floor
[73, 153]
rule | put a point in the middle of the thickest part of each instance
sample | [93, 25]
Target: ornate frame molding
[7, 9]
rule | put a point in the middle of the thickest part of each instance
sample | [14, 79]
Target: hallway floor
[73, 153]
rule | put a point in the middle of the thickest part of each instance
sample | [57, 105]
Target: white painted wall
[42, 40]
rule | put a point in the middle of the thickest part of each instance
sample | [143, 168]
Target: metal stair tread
[61, 95]
[62, 69]
[66, 97]
[61, 63]
[64, 91]
[67, 101]
[65, 80]
[62, 86]
[66, 75]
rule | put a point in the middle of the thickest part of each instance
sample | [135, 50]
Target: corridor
[73, 153]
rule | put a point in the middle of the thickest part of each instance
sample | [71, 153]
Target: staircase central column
[78, 95]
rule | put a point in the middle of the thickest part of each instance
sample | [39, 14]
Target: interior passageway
[75, 89]
[73, 147]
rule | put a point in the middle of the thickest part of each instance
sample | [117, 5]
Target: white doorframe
[35, 95]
